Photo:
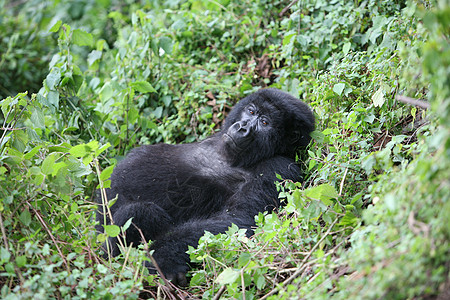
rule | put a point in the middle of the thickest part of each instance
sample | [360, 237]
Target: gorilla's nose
[244, 127]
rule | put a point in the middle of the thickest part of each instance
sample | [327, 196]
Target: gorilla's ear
[299, 131]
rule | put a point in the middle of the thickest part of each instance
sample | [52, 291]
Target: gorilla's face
[255, 134]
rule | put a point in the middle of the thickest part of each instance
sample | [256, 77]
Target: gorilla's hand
[176, 278]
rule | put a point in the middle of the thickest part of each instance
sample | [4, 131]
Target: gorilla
[174, 193]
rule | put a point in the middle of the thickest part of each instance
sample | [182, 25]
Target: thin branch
[300, 267]
[220, 292]
[342, 182]
[5, 239]
[12, 129]
[412, 101]
[169, 286]
[287, 8]
[41, 220]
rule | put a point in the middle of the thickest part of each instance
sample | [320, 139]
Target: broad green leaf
[228, 276]
[244, 258]
[346, 47]
[47, 164]
[83, 150]
[37, 117]
[53, 98]
[112, 230]
[102, 148]
[21, 261]
[323, 192]
[378, 98]
[260, 281]
[82, 38]
[94, 56]
[166, 44]
[79, 150]
[339, 88]
[127, 224]
[4, 255]
[56, 26]
[106, 173]
[53, 78]
[32, 152]
[143, 87]
[106, 92]
[25, 217]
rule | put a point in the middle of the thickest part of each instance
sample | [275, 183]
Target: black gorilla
[176, 192]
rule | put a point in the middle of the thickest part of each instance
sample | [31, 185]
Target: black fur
[176, 192]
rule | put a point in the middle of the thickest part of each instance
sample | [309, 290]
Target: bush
[369, 221]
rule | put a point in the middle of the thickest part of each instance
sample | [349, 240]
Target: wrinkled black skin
[175, 193]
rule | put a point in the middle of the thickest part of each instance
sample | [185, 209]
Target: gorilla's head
[265, 124]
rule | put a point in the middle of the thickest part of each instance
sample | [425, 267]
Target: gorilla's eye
[264, 122]
[251, 111]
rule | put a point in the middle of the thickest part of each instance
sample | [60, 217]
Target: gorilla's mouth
[231, 143]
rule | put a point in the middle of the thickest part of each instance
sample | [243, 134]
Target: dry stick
[412, 101]
[168, 285]
[342, 182]
[300, 268]
[50, 234]
[287, 8]
[220, 292]
[243, 283]
[5, 239]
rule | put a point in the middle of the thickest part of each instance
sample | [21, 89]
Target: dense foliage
[83, 82]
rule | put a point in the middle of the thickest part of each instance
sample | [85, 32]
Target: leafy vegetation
[83, 82]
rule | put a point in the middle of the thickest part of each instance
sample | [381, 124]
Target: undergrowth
[84, 82]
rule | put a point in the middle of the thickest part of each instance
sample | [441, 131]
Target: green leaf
[339, 88]
[37, 117]
[32, 152]
[21, 261]
[127, 224]
[106, 173]
[56, 26]
[47, 164]
[346, 48]
[53, 78]
[378, 98]
[79, 150]
[106, 92]
[94, 56]
[228, 276]
[4, 255]
[143, 87]
[166, 44]
[25, 217]
[53, 98]
[102, 148]
[82, 38]
[198, 279]
[260, 281]
[244, 258]
[112, 230]
[323, 192]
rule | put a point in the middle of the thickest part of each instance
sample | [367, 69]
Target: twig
[169, 286]
[50, 234]
[5, 239]
[12, 129]
[300, 268]
[287, 8]
[412, 101]
[342, 182]
[220, 292]
[243, 283]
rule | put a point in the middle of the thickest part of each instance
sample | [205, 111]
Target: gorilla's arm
[258, 194]
[170, 249]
